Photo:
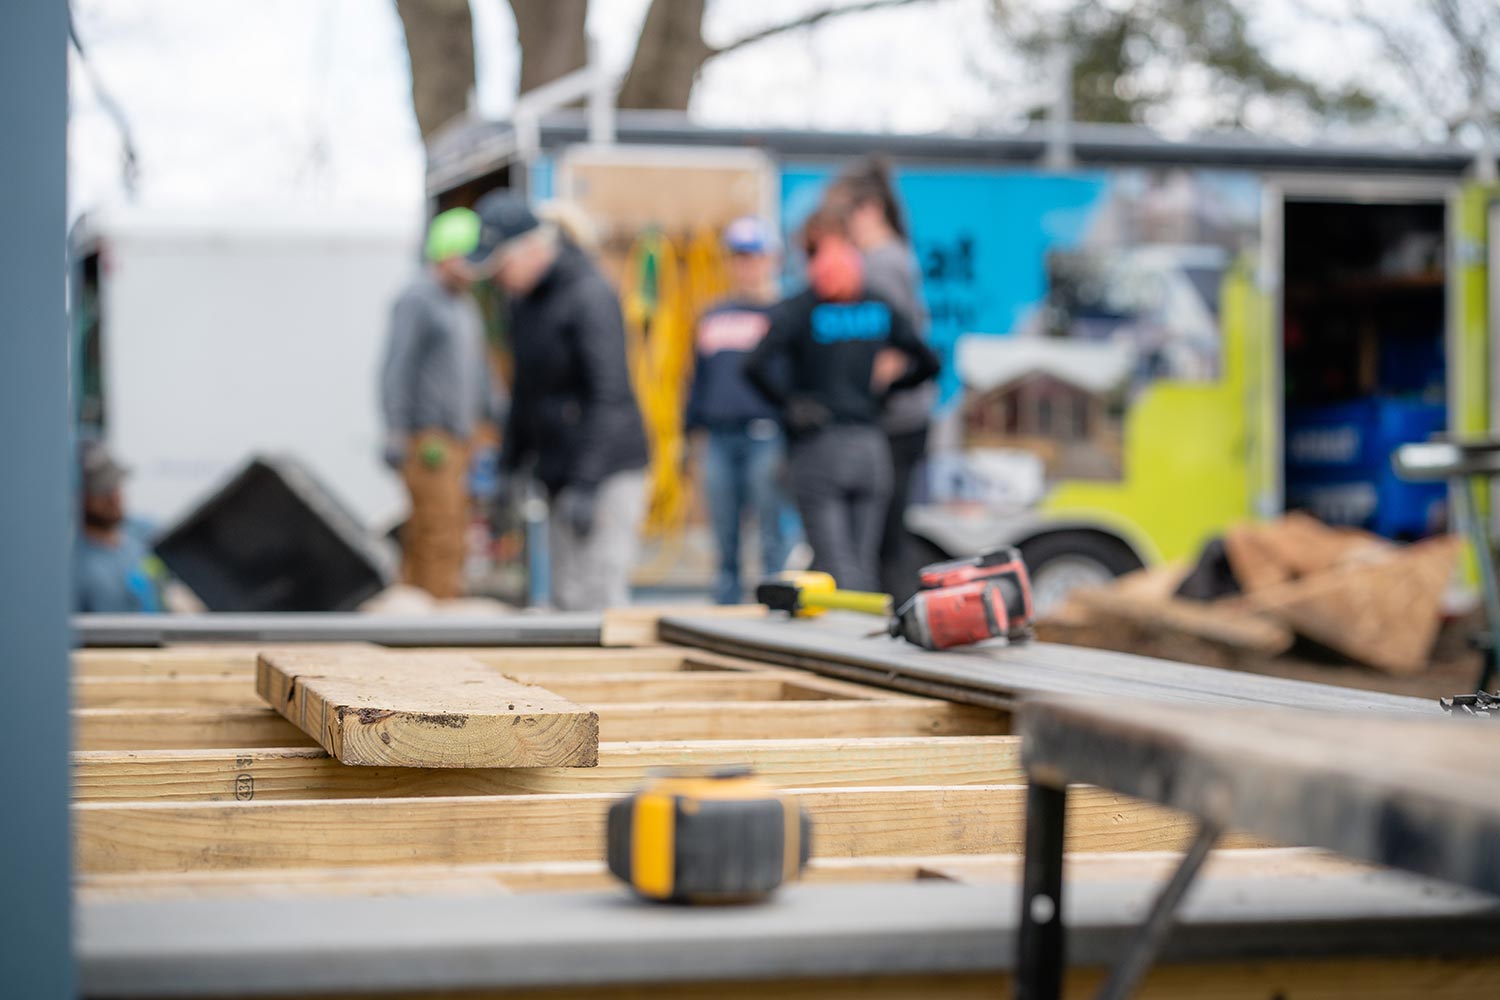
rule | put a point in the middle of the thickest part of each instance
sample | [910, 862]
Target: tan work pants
[435, 470]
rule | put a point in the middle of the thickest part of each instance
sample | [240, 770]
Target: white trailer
[202, 339]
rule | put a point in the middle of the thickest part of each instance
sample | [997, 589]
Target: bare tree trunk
[440, 45]
[552, 39]
[668, 56]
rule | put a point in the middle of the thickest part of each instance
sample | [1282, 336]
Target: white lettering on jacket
[732, 330]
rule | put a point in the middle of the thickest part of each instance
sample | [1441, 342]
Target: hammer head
[785, 591]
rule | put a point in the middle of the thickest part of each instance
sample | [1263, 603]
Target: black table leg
[1039, 947]
[1136, 961]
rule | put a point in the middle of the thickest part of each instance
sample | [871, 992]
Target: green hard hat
[454, 233]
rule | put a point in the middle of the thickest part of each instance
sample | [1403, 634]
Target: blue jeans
[741, 472]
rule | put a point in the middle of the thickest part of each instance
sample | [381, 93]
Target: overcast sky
[307, 101]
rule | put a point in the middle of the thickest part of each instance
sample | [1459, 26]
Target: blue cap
[749, 235]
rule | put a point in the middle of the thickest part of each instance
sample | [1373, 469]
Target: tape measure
[720, 838]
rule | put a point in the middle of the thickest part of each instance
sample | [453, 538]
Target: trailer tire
[1059, 561]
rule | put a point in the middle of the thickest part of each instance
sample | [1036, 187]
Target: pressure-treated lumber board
[638, 626]
[397, 710]
[187, 729]
[837, 645]
[598, 659]
[210, 691]
[183, 729]
[1403, 792]
[467, 879]
[169, 836]
[239, 661]
[229, 660]
[1264, 865]
[749, 720]
[289, 773]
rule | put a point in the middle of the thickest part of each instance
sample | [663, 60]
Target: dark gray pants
[841, 479]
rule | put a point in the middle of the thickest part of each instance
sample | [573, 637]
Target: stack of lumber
[1376, 603]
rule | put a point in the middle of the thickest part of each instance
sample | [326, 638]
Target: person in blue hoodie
[734, 428]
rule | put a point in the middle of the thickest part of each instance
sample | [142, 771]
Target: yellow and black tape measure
[719, 838]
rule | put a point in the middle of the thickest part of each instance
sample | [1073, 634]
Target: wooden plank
[921, 820]
[1394, 791]
[467, 879]
[589, 660]
[784, 720]
[167, 691]
[239, 661]
[393, 709]
[290, 773]
[209, 691]
[183, 729]
[838, 645]
[1384, 612]
[1144, 867]
[1238, 631]
[225, 660]
[188, 729]
[692, 685]
[638, 626]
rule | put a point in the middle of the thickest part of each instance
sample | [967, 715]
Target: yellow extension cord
[663, 294]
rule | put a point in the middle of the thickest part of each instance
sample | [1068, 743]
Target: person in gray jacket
[436, 387]
[865, 197]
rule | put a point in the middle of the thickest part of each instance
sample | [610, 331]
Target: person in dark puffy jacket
[818, 364]
[731, 424]
[574, 420]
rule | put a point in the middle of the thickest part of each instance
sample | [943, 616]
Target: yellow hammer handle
[848, 600]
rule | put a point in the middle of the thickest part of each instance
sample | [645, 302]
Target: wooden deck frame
[898, 788]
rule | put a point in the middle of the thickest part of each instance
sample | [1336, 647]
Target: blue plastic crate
[1357, 438]
[1338, 465]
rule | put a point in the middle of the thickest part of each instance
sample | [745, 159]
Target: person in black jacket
[817, 362]
[574, 420]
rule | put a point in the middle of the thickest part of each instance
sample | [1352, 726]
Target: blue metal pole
[36, 508]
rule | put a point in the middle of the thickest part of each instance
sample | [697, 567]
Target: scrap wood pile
[1262, 586]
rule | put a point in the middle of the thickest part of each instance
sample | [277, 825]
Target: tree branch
[808, 21]
[1408, 61]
